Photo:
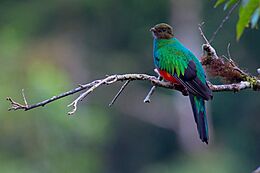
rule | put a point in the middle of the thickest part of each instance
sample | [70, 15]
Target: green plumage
[174, 57]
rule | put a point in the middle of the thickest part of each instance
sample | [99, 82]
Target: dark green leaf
[245, 14]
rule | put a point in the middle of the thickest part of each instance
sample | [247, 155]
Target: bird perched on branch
[178, 65]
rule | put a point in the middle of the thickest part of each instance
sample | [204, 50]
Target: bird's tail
[199, 111]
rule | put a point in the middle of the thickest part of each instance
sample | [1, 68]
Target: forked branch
[92, 86]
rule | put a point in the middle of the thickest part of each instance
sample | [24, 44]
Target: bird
[178, 65]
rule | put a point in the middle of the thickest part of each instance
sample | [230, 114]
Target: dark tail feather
[199, 111]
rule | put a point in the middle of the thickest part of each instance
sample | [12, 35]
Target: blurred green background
[48, 47]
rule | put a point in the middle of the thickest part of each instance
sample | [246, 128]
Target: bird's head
[162, 31]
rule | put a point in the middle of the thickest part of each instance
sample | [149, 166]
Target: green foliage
[248, 14]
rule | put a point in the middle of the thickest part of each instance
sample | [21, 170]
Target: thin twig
[24, 98]
[148, 97]
[150, 93]
[15, 105]
[223, 21]
[118, 93]
[202, 34]
[231, 60]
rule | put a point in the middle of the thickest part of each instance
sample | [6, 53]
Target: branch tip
[16, 105]
[74, 105]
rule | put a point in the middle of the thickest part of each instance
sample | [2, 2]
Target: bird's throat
[158, 43]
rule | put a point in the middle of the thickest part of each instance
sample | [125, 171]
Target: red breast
[167, 76]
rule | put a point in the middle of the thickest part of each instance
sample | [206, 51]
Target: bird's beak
[152, 29]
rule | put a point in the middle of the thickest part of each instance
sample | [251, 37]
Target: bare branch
[108, 80]
[230, 87]
[90, 87]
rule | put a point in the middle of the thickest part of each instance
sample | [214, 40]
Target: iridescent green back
[172, 56]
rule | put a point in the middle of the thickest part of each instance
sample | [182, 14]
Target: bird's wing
[186, 68]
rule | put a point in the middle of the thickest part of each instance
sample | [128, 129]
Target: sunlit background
[49, 47]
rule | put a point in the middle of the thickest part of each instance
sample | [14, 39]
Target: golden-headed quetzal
[177, 64]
